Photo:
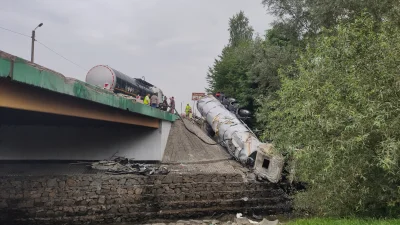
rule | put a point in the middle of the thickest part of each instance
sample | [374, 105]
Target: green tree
[308, 17]
[339, 117]
[247, 68]
[239, 29]
[229, 72]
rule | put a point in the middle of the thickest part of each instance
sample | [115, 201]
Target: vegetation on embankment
[324, 82]
[327, 221]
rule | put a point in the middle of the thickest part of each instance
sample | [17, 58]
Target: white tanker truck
[240, 141]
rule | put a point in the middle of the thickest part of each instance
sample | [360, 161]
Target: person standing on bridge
[165, 104]
[146, 100]
[172, 105]
[154, 100]
[188, 109]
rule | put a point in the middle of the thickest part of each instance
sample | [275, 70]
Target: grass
[318, 221]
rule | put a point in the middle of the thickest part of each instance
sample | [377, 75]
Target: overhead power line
[61, 56]
[15, 32]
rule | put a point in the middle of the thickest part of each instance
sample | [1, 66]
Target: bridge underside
[28, 135]
[37, 124]
[14, 95]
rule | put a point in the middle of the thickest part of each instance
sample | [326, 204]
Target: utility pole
[33, 41]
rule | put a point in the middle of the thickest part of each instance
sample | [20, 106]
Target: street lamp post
[33, 41]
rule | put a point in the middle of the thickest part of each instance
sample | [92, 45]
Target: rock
[156, 182]
[102, 199]
[96, 184]
[16, 184]
[121, 191]
[40, 213]
[119, 200]
[52, 183]
[130, 182]
[177, 179]
[68, 209]
[36, 184]
[110, 201]
[267, 222]
[87, 178]
[3, 204]
[123, 210]
[122, 181]
[59, 214]
[61, 184]
[71, 182]
[50, 213]
[241, 220]
[84, 183]
[114, 209]
[69, 202]
[49, 203]
[138, 191]
[35, 194]
[167, 180]
[92, 195]
[113, 182]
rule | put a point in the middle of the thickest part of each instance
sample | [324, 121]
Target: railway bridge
[47, 116]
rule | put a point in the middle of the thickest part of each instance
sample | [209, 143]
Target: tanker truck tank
[111, 79]
[239, 140]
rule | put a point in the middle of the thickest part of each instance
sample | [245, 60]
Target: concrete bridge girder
[25, 97]
[123, 133]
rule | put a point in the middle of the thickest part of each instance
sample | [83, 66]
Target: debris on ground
[244, 221]
[237, 221]
[121, 165]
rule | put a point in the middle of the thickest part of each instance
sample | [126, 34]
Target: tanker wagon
[111, 79]
[239, 140]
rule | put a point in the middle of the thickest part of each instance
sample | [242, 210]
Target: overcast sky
[169, 42]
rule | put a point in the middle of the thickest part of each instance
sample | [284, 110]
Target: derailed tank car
[112, 79]
[225, 124]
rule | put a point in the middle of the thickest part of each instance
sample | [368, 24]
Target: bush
[339, 117]
[327, 221]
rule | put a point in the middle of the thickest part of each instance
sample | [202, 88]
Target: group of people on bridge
[154, 102]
